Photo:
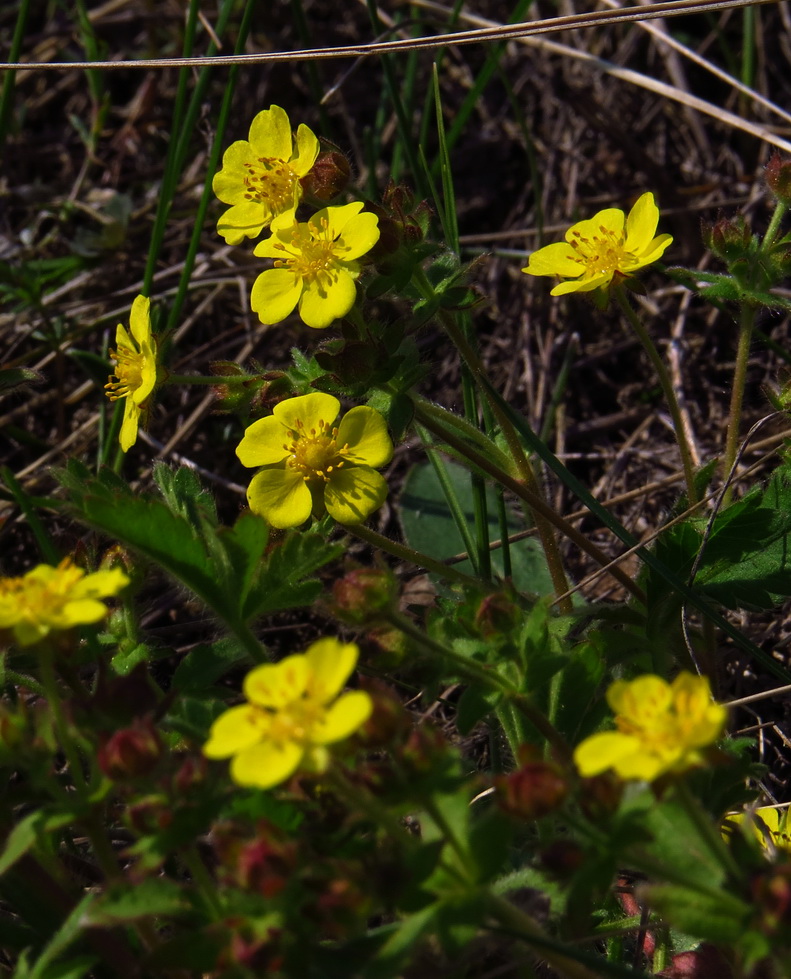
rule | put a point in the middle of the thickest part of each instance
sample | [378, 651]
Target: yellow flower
[48, 598]
[260, 176]
[605, 245]
[769, 825]
[315, 265]
[135, 376]
[310, 465]
[293, 712]
[662, 728]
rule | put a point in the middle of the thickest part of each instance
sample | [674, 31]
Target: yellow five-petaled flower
[768, 824]
[295, 709]
[261, 175]
[662, 728]
[310, 465]
[316, 264]
[136, 373]
[55, 598]
[607, 245]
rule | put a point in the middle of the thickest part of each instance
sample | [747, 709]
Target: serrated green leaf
[123, 904]
[204, 665]
[714, 918]
[26, 832]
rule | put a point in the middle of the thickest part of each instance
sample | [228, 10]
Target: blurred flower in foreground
[135, 375]
[662, 728]
[605, 245]
[48, 598]
[315, 265]
[295, 709]
[260, 176]
[768, 824]
[310, 465]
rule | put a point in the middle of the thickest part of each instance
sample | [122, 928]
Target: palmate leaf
[747, 559]
[226, 567]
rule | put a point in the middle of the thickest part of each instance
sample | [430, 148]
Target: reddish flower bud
[364, 594]
[329, 175]
[772, 897]
[600, 796]
[130, 752]
[730, 240]
[704, 962]
[532, 791]
[496, 615]
[388, 721]
[192, 771]
[562, 858]
[778, 177]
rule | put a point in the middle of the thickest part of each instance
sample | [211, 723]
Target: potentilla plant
[223, 809]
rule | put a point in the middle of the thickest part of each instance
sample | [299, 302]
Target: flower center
[270, 181]
[604, 252]
[128, 374]
[311, 253]
[316, 454]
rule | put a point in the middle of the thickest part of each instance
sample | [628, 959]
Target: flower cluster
[662, 728]
[48, 598]
[135, 369]
[607, 245]
[310, 465]
[294, 709]
[315, 262]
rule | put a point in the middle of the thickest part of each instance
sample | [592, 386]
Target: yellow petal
[281, 497]
[263, 443]
[600, 752]
[276, 685]
[244, 220]
[274, 295]
[330, 665]
[354, 493]
[238, 728]
[128, 434]
[327, 297]
[81, 611]
[343, 718]
[266, 764]
[270, 134]
[641, 224]
[364, 430]
[334, 219]
[228, 183]
[358, 237]
[581, 285]
[307, 149]
[308, 411]
[641, 700]
[610, 220]
[556, 259]
[140, 320]
[100, 584]
[654, 251]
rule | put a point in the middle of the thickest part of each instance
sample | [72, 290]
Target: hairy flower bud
[730, 240]
[130, 752]
[363, 595]
[535, 789]
[778, 177]
[329, 176]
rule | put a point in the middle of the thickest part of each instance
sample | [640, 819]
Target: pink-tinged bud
[389, 722]
[262, 955]
[423, 749]
[191, 772]
[496, 615]
[730, 240]
[534, 790]
[131, 752]
[266, 865]
[778, 177]
[772, 899]
[328, 177]
[364, 595]
[600, 796]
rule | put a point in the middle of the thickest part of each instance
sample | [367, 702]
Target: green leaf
[429, 527]
[193, 716]
[203, 665]
[26, 832]
[123, 904]
[474, 704]
[14, 377]
[714, 918]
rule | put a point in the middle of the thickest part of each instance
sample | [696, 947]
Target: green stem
[247, 638]
[525, 925]
[774, 225]
[205, 886]
[404, 553]
[544, 726]
[667, 389]
[746, 324]
[534, 502]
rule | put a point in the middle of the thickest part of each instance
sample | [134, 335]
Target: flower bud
[778, 177]
[130, 752]
[772, 899]
[562, 858]
[730, 240]
[329, 175]
[496, 615]
[600, 796]
[389, 722]
[532, 791]
[363, 595]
